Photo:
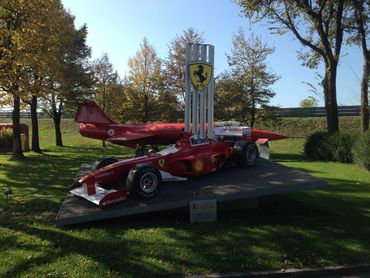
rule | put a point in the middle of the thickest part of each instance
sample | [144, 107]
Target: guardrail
[27, 115]
[316, 111]
[280, 112]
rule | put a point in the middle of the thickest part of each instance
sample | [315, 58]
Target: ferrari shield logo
[200, 75]
[161, 163]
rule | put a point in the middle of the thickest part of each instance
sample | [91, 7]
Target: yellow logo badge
[198, 165]
[161, 162]
[200, 75]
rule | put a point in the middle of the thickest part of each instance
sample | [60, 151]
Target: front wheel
[144, 181]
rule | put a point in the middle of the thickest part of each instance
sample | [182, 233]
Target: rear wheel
[144, 181]
[245, 154]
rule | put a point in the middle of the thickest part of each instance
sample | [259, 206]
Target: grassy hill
[70, 133]
[303, 127]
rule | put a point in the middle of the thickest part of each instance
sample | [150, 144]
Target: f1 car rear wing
[230, 133]
[233, 134]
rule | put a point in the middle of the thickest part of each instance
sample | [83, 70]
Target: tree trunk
[35, 125]
[252, 94]
[17, 146]
[253, 114]
[58, 134]
[330, 92]
[365, 95]
[361, 19]
[104, 108]
[146, 102]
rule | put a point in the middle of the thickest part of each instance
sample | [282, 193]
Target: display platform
[225, 186]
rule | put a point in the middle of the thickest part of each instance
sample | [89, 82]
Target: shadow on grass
[300, 230]
[305, 229]
[105, 250]
[46, 177]
[289, 157]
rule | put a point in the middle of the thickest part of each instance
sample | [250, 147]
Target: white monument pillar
[199, 89]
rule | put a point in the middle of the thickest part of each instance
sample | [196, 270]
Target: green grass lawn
[303, 229]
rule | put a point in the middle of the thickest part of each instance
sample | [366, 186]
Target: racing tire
[245, 154]
[105, 162]
[144, 181]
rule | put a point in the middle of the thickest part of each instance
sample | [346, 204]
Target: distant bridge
[316, 111]
[280, 112]
[27, 115]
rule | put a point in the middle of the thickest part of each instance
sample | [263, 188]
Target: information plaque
[203, 211]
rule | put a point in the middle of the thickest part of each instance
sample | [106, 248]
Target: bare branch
[291, 26]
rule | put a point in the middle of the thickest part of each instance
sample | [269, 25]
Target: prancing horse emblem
[200, 75]
[161, 162]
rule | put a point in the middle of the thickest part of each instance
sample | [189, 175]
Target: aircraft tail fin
[90, 112]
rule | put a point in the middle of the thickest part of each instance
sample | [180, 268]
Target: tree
[48, 20]
[308, 102]
[131, 108]
[105, 79]
[33, 103]
[40, 56]
[167, 106]
[318, 26]
[175, 62]
[13, 18]
[230, 99]
[143, 79]
[357, 26]
[20, 45]
[248, 66]
[69, 78]
[117, 99]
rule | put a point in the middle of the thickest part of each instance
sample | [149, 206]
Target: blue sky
[117, 27]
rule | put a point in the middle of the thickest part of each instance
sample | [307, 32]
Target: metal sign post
[199, 89]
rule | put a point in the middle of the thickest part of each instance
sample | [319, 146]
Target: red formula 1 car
[190, 156]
